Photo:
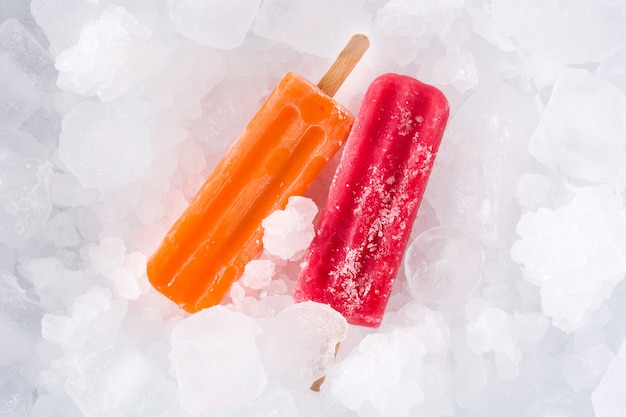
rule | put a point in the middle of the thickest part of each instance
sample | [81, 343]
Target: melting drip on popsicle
[373, 200]
[282, 150]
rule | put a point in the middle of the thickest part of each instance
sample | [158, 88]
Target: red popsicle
[373, 200]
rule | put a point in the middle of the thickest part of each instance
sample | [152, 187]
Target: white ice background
[511, 300]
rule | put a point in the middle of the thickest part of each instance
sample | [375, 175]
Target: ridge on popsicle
[373, 200]
[282, 150]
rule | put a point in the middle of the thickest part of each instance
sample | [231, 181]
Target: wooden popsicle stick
[318, 382]
[343, 65]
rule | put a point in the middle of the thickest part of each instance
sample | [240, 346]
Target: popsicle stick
[344, 64]
[317, 384]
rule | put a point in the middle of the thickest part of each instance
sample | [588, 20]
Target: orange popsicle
[279, 154]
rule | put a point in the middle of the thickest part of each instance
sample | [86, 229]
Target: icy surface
[511, 299]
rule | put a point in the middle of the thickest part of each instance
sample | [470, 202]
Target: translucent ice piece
[25, 175]
[27, 73]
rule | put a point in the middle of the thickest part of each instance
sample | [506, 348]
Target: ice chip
[27, 72]
[443, 265]
[113, 54]
[92, 136]
[582, 130]
[298, 345]
[25, 175]
[288, 233]
[221, 24]
[257, 273]
[217, 360]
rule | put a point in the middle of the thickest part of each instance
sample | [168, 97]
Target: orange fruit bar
[279, 154]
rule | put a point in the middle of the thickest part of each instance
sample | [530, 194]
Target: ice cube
[289, 232]
[119, 380]
[61, 230]
[191, 157]
[113, 54]
[443, 265]
[221, 24]
[613, 70]
[298, 345]
[407, 26]
[532, 189]
[608, 397]
[217, 360]
[62, 20]
[27, 73]
[16, 398]
[56, 286]
[583, 369]
[582, 129]
[458, 69]
[105, 145]
[54, 404]
[472, 185]
[382, 375]
[293, 22]
[588, 33]
[25, 175]
[574, 254]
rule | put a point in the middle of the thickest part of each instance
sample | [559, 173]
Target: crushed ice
[511, 296]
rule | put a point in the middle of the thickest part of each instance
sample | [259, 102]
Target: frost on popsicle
[373, 199]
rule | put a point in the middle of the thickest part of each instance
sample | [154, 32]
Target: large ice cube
[443, 265]
[113, 54]
[221, 24]
[572, 31]
[27, 72]
[105, 145]
[582, 130]
[574, 254]
[25, 177]
[481, 158]
[311, 27]
[217, 360]
[608, 398]
[298, 345]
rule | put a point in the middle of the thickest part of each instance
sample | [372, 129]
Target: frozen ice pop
[373, 199]
[278, 155]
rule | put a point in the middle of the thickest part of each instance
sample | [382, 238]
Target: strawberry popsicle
[373, 199]
[279, 154]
